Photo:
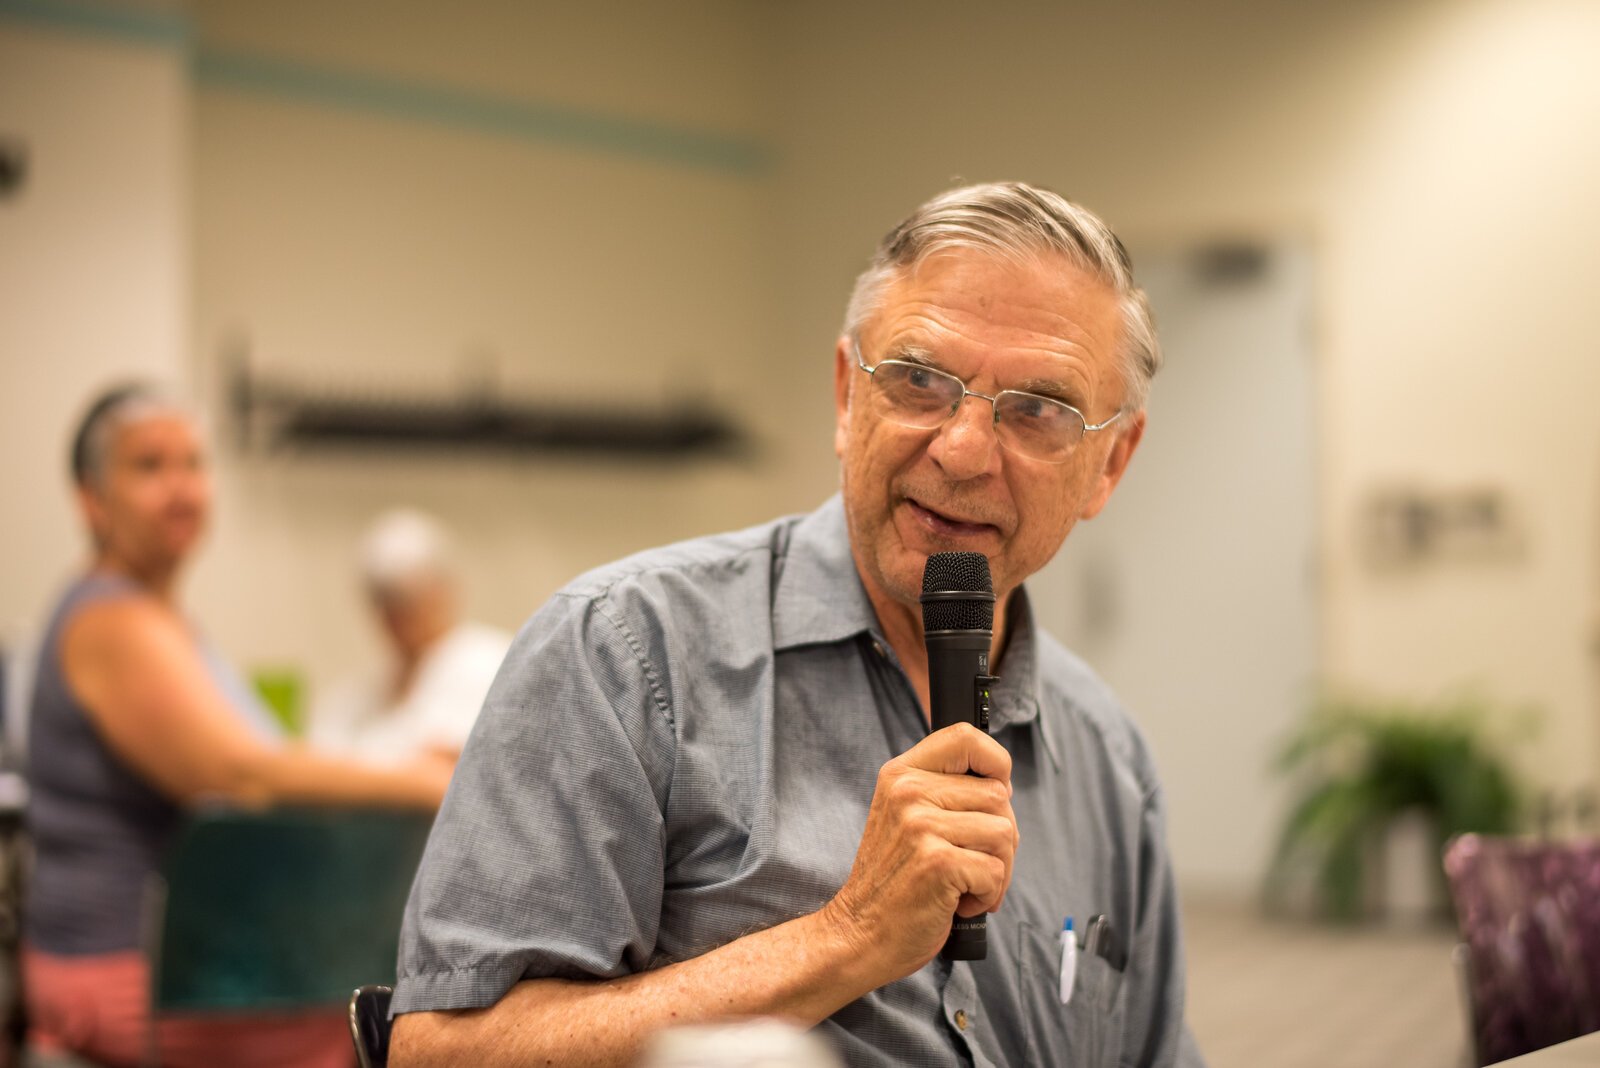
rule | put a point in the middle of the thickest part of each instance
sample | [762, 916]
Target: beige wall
[94, 271]
[374, 250]
[1471, 358]
[1440, 158]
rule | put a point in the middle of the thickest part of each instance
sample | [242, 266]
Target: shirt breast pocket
[1087, 1031]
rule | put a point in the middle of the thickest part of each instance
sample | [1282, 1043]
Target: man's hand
[937, 842]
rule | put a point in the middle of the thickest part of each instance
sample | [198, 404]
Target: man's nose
[966, 446]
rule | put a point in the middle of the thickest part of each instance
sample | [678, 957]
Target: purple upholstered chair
[1529, 914]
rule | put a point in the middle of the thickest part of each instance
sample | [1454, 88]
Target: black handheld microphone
[958, 625]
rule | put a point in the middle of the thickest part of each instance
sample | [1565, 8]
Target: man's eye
[1029, 406]
[922, 378]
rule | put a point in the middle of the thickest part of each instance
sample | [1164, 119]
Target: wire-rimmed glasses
[916, 395]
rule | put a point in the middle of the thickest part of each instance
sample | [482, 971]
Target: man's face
[1046, 328]
[416, 613]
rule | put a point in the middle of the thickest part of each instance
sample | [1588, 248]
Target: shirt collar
[819, 596]
[1016, 698]
[819, 599]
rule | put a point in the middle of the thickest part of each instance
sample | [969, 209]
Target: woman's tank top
[99, 830]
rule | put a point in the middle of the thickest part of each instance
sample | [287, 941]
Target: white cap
[402, 546]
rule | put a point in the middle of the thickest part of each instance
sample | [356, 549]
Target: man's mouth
[947, 525]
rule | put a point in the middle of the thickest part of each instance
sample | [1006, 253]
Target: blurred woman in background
[135, 719]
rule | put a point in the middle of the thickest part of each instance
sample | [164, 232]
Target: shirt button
[961, 1019]
[878, 649]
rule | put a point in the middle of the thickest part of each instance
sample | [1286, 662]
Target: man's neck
[902, 627]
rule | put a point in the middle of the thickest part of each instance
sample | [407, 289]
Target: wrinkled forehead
[1045, 325]
[1042, 300]
[992, 280]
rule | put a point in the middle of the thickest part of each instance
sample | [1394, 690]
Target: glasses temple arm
[1101, 426]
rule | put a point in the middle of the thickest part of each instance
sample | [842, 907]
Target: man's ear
[844, 366]
[1122, 449]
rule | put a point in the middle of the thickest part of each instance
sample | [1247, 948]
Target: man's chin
[901, 575]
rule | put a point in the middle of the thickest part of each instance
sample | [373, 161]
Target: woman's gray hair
[1017, 222]
[110, 410]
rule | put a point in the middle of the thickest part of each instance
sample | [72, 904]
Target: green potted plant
[1362, 765]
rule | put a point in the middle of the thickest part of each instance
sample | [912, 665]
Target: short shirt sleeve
[547, 856]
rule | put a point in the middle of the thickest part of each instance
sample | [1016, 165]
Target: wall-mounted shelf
[274, 414]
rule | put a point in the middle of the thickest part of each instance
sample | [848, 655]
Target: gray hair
[1017, 222]
[110, 411]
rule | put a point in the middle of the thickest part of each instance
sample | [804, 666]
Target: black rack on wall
[273, 414]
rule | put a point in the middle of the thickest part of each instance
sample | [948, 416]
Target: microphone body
[958, 626]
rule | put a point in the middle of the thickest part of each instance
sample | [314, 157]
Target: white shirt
[357, 718]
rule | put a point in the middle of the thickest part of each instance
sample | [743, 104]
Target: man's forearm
[803, 970]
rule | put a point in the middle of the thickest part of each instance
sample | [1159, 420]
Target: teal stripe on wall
[493, 115]
[396, 98]
[123, 22]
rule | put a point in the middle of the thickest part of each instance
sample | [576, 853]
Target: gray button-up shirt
[681, 749]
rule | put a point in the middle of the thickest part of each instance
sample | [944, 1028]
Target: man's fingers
[993, 840]
[981, 832]
[974, 851]
[958, 793]
[958, 749]
[964, 823]
[984, 880]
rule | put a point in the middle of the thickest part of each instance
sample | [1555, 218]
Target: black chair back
[369, 1025]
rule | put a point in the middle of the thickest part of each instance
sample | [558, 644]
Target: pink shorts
[99, 1006]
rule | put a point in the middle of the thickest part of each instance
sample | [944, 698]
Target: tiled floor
[1276, 994]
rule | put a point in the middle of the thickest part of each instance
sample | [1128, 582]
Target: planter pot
[1406, 885]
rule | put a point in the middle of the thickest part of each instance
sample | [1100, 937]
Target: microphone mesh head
[964, 572]
[958, 573]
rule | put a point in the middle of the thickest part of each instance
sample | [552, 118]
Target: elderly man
[427, 696]
[704, 785]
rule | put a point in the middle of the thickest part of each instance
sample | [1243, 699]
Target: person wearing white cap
[440, 666]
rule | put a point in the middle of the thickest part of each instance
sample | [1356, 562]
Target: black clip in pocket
[1100, 939]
